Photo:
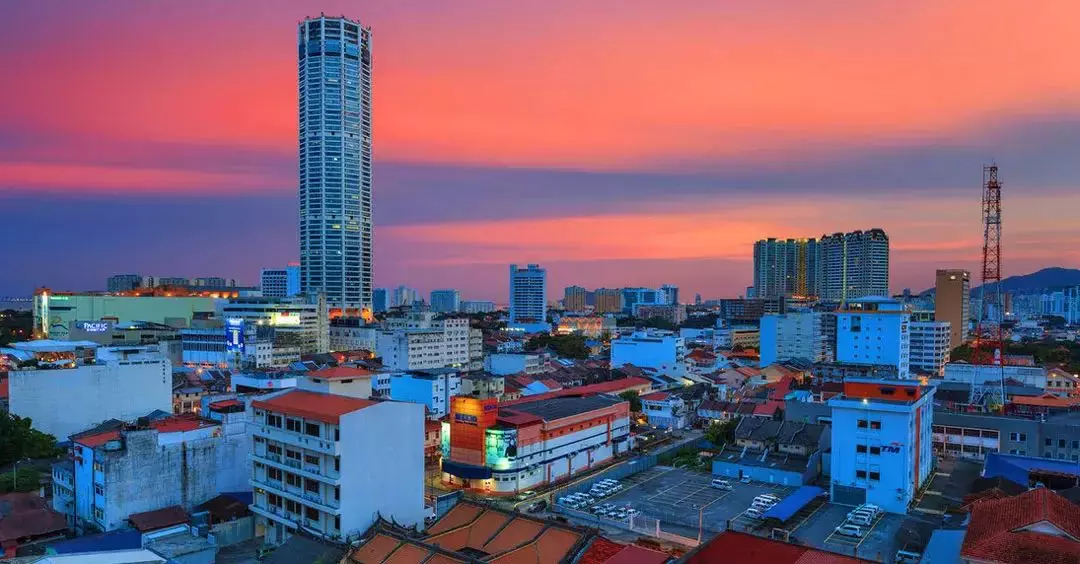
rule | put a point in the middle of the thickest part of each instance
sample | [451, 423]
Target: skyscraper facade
[952, 303]
[607, 300]
[445, 301]
[334, 58]
[854, 265]
[380, 300]
[528, 294]
[574, 298]
[786, 268]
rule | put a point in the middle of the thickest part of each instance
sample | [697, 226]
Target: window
[1061, 443]
[337, 522]
[273, 420]
[312, 460]
[1049, 442]
[292, 425]
[875, 450]
[337, 493]
[860, 448]
[875, 424]
[311, 513]
[311, 486]
[860, 474]
[861, 424]
[99, 489]
[337, 464]
[273, 473]
[876, 476]
[337, 434]
[311, 429]
[292, 479]
[99, 515]
[292, 506]
[99, 467]
[1076, 444]
[1018, 437]
[273, 449]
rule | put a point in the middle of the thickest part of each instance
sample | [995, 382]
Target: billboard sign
[234, 335]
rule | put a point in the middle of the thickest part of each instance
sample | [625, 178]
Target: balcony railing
[293, 463]
[297, 494]
[307, 470]
[313, 497]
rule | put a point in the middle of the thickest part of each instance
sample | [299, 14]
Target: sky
[616, 142]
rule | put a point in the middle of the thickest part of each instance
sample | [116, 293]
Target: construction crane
[989, 347]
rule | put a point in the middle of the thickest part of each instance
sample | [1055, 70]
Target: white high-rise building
[930, 346]
[797, 335]
[421, 341]
[528, 295]
[332, 464]
[874, 331]
[335, 160]
[404, 296]
[854, 265]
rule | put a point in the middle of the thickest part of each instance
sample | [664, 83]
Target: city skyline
[501, 169]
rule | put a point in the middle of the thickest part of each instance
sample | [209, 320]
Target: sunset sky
[618, 142]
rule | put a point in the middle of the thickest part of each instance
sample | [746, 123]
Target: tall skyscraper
[574, 298]
[403, 296]
[528, 295]
[445, 301]
[854, 265]
[671, 293]
[952, 303]
[786, 268]
[335, 160]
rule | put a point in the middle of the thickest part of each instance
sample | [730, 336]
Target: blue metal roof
[116, 540]
[944, 547]
[793, 503]
[1016, 467]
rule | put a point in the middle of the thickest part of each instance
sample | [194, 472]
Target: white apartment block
[72, 390]
[930, 346]
[421, 341]
[793, 336]
[331, 465]
[874, 331]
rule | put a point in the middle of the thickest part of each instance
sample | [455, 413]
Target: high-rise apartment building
[380, 300]
[528, 295]
[445, 301]
[952, 302]
[794, 336]
[607, 300]
[403, 296]
[874, 331]
[854, 265]
[124, 282]
[280, 282]
[786, 268]
[574, 298]
[335, 160]
[671, 293]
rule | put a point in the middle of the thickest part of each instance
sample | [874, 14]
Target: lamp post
[15, 474]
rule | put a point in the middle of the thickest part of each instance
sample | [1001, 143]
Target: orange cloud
[44, 177]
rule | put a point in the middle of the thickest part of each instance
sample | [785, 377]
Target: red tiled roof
[999, 529]
[341, 373]
[28, 515]
[551, 384]
[1046, 401]
[4, 388]
[656, 396]
[159, 518]
[768, 408]
[701, 354]
[226, 403]
[634, 554]
[609, 387]
[98, 439]
[327, 408]
[178, 423]
[731, 546]
[600, 551]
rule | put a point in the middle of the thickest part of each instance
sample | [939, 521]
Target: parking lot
[879, 540]
[683, 497]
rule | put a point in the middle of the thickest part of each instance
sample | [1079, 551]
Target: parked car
[860, 519]
[721, 484]
[849, 530]
[745, 479]
[752, 513]
[537, 506]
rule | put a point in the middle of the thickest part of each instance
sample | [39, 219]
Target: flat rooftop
[558, 408]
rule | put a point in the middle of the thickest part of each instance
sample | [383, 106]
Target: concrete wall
[382, 465]
[429, 393]
[66, 401]
[63, 310]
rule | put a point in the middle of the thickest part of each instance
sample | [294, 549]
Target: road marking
[868, 531]
[807, 518]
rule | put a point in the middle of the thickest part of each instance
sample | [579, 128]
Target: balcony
[277, 514]
[295, 439]
[298, 495]
[306, 470]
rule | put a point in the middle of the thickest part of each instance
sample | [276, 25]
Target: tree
[18, 440]
[721, 432]
[961, 353]
[567, 346]
[634, 399]
[29, 479]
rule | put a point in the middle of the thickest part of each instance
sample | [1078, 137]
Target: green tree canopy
[634, 399]
[18, 440]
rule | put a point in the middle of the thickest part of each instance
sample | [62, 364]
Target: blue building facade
[881, 442]
[445, 301]
[528, 297]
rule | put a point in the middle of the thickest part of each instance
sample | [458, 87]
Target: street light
[15, 474]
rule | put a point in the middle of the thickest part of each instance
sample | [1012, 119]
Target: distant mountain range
[1046, 279]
